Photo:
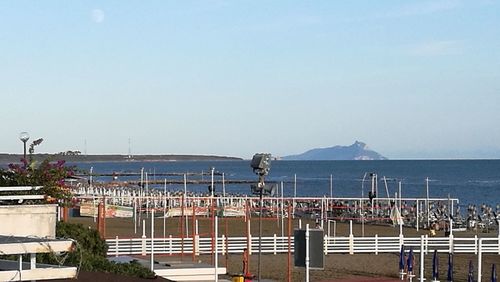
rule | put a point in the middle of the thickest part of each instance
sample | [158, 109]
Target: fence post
[451, 243]
[143, 238]
[223, 245]
[498, 240]
[116, 246]
[351, 239]
[274, 243]
[422, 258]
[170, 244]
[475, 244]
[250, 240]
[325, 243]
[479, 260]
[426, 244]
[401, 239]
[197, 244]
[376, 244]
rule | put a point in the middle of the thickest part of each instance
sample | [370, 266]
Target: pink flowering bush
[50, 175]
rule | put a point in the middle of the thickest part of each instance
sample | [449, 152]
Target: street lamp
[24, 137]
[261, 164]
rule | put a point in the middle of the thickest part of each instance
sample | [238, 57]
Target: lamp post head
[261, 164]
[24, 136]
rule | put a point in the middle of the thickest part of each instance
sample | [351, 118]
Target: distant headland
[356, 151]
[14, 158]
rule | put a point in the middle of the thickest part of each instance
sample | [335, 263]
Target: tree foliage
[90, 253]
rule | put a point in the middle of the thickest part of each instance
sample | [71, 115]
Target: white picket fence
[277, 244]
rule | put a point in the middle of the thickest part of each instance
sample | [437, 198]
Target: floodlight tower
[261, 164]
[24, 137]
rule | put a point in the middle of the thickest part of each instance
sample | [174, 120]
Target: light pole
[261, 164]
[24, 137]
[212, 169]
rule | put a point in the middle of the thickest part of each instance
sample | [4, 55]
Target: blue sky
[412, 79]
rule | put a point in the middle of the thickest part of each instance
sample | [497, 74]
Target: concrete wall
[28, 220]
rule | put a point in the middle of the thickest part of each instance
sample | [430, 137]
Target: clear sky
[412, 79]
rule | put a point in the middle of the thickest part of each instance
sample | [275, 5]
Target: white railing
[277, 244]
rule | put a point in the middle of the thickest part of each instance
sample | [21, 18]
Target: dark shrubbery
[90, 253]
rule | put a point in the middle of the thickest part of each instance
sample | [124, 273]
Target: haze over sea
[471, 181]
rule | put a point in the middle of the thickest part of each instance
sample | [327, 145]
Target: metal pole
[479, 259]
[185, 204]
[307, 252]
[260, 234]
[422, 278]
[216, 223]
[223, 186]
[331, 186]
[289, 244]
[165, 208]
[282, 212]
[212, 182]
[24, 149]
[427, 200]
[417, 216]
[294, 194]
[152, 238]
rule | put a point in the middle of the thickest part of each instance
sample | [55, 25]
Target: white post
[185, 205]
[164, 208]
[428, 204]
[417, 216]
[325, 245]
[307, 252]
[294, 194]
[135, 216]
[147, 194]
[300, 223]
[328, 225]
[351, 239]
[331, 186]
[422, 278]
[143, 237]
[376, 244]
[32, 261]
[170, 244]
[152, 239]
[274, 243]
[216, 245]
[282, 212]
[212, 182]
[196, 227]
[116, 246]
[479, 259]
[223, 186]
[322, 211]
[350, 228]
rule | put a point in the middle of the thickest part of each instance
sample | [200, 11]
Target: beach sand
[338, 267]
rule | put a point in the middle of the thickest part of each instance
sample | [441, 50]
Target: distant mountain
[357, 151]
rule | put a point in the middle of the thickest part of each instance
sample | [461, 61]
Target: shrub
[90, 254]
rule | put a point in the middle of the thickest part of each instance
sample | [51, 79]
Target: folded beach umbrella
[435, 266]
[450, 267]
[402, 259]
[409, 262]
[470, 277]
[493, 273]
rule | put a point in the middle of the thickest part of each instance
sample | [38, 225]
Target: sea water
[471, 181]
